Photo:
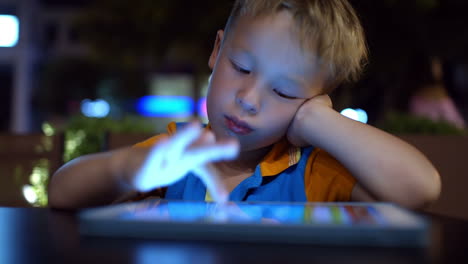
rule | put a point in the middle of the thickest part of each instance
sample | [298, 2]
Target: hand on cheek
[298, 130]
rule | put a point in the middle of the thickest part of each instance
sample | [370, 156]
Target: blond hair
[329, 28]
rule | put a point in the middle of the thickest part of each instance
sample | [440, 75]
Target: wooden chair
[449, 154]
[119, 140]
[19, 155]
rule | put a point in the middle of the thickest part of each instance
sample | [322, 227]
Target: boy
[273, 135]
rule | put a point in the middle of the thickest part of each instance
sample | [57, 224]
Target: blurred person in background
[431, 99]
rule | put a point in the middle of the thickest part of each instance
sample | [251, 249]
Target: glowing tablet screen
[321, 214]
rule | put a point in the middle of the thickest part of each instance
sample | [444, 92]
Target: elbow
[54, 201]
[433, 190]
[57, 200]
[425, 192]
[57, 197]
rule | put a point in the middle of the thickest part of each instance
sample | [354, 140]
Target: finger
[205, 154]
[151, 173]
[207, 137]
[182, 139]
[213, 183]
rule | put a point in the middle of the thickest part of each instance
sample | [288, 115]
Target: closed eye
[239, 68]
[284, 95]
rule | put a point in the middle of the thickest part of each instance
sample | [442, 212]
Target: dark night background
[130, 39]
[122, 50]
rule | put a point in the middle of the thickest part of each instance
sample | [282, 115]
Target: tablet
[345, 224]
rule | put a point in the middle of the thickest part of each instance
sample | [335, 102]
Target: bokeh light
[98, 109]
[356, 114]
[29, 194]
[165, 106]
[9, 30]
[202, 108]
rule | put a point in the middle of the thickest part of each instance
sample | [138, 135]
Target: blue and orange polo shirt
[286, 174]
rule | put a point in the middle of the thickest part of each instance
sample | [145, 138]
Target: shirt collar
[281, 156]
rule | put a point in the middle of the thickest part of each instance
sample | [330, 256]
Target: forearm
[90, 180]
[389, 168]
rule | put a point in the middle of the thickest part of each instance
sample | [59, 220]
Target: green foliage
[82, 136]
[401, 123]
[85, 135]
[39, 180]
[35, 192]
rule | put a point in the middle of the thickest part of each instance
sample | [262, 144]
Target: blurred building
[45, 31]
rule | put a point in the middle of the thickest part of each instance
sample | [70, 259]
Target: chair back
[118, 140]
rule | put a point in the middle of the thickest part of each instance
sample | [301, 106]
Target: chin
[255, 144]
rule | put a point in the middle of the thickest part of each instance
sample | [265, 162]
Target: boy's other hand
[191, 149]
[297, 131]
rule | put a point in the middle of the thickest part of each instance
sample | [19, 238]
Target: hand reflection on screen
[232, 212]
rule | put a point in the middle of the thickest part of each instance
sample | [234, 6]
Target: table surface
[41, 235]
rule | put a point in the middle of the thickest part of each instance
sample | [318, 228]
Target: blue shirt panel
[287, 186]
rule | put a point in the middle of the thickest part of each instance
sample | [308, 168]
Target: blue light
[165, 106]
[202, 107]
[362, 116]
[175, 253]
[356, 114]
[9, 31]
[97, 109]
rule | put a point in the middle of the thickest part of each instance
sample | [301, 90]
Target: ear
[216, 49]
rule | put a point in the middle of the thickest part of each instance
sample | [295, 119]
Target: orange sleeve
[171, 129]
[158, 192]
[326, 180]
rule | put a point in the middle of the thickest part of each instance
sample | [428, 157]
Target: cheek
[283, 113]
[220, 85]
[279, 119]
[218, 97]
[215, 99]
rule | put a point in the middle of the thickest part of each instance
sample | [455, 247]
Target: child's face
[260, 78]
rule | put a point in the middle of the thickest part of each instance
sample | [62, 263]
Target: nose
[247, 99]
[246, 106]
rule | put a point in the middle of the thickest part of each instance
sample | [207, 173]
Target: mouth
[237, 126]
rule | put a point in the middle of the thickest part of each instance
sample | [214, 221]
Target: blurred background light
[98, 109]
[48, 129]
[362, 116]
[9, 30]
[165, 106]
[202, 108]
[29, 194]
[174, 253]
[356, 114]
